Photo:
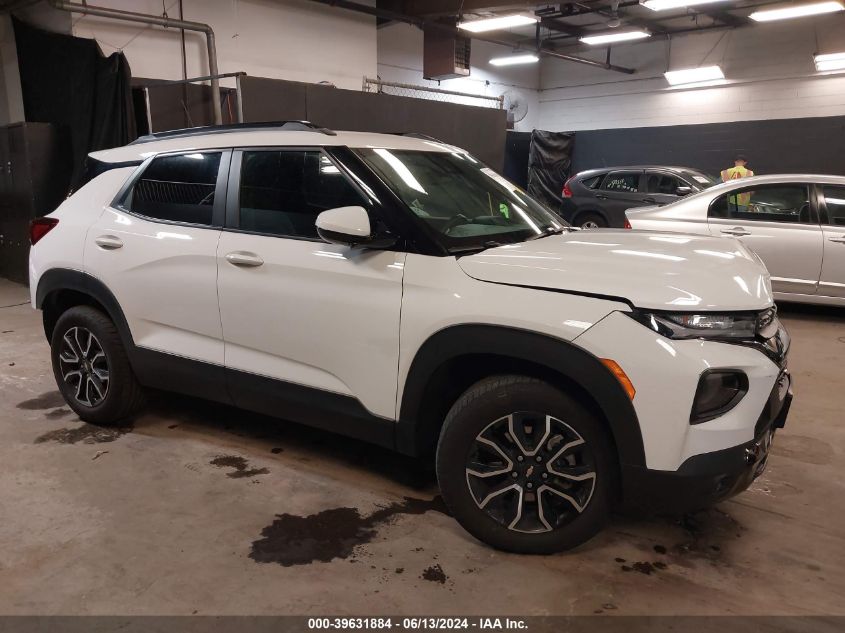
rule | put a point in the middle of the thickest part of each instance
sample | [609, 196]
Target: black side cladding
[549, 162]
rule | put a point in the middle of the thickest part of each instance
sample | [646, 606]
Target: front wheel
[591, 221]
[525, 467]
[91, 367]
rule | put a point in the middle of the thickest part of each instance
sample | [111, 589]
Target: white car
[795, 223]
[396, 290]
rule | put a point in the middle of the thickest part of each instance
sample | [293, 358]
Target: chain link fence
[432, 94]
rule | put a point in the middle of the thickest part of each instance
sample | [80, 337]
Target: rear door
[779, 222]
[155, 248]
[619, 191]
[832, 281]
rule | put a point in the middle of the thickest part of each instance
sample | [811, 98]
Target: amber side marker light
[621, 376]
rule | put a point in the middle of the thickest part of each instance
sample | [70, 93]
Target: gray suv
[599, 197]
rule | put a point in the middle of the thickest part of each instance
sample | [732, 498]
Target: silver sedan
[794, 222]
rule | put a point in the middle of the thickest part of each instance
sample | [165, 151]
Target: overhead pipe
[157, 20]
[421, 22]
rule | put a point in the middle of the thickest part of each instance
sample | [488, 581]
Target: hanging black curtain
[549, 160]
[68, 81]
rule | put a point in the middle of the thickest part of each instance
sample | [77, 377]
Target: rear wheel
[524, 467]
[591, 221]
[91, 367]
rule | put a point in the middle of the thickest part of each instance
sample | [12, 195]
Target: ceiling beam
[430, 8]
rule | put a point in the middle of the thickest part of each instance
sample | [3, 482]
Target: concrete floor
[197, 508]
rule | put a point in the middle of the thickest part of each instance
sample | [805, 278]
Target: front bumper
[703, 480]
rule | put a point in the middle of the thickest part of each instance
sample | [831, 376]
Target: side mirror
[683, 191]
[350, 226]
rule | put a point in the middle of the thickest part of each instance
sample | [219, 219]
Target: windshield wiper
[549, 230]
[475, 248]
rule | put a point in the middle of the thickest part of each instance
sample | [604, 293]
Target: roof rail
[424, 137]
[299, 126]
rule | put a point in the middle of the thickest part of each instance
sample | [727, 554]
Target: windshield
[702, 180]
[468, 205]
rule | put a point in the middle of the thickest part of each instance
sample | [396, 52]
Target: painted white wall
[400, 59]
[280, 39]
[769, 69]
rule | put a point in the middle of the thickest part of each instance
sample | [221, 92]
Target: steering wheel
[456, 221]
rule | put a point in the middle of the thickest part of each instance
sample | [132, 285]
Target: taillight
[628, 224]
[567, 192]
[39, 227]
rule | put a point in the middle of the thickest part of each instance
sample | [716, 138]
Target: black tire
[480, 410]
[591, 221]
[122, 396]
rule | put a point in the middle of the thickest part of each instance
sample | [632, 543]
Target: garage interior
[195, 508]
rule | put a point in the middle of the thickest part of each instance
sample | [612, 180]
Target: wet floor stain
[49, 400]
[434, 573]
[55, 414]
[277, 450]
[322, 537]
[660, 549]
[644, 567]
[240, 467]
[87, 434]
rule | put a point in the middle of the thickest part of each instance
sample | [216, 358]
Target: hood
[660, 271]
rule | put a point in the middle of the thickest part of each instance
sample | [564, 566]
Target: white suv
[395, 289]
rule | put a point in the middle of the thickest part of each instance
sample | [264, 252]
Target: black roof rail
[299, 126]
[424, 137]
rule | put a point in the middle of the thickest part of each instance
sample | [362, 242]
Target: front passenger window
[765, 203]
[283, 192]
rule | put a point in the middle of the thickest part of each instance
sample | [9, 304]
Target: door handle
[736, 232]
[649, 200]
[245, 259]
[838, 240]
[109, 242]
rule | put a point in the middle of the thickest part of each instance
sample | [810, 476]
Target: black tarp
[549, 160]
[68, 81]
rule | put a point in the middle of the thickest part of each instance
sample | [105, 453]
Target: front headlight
[708, 325]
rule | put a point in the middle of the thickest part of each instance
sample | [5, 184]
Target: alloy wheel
[84, 366]
[531, 472]
[590, 224]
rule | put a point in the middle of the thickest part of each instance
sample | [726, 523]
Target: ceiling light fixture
[498, 22]
[797, 11]
[609, 38]
[694, 75]
[513, 60]
[664, 5]
[830, 61]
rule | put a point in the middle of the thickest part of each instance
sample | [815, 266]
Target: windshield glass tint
[466, 203]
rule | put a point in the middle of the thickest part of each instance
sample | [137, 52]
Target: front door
[832, 282]
[302, 318]
[779, 223]
[662, 188]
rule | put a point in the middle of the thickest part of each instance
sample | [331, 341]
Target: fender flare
[57, 279]
[561, 357]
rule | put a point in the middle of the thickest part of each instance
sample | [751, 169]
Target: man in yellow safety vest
[740, 201]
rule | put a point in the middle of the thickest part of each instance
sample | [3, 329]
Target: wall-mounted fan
[515, 105]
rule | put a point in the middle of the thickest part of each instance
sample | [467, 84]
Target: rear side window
[834, 200]
[764, 203]
[178, 188]
[622, 181]
[283, 192]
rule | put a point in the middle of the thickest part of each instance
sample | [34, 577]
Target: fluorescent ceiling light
[608, 38]
[663, 5]
[498, 22]
[797, 11]
[830, 61]
[694, 75]
[515, 59]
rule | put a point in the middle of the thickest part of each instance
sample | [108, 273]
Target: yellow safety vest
[735, 173]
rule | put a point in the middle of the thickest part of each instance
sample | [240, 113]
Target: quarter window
[178, 188]
[765, 203]
[834, 199]
[591, 183]
[282, 192]
[622, 181]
